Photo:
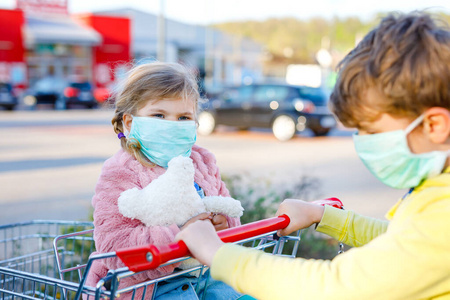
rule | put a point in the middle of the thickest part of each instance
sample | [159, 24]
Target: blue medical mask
[162, 140]
[388, 157]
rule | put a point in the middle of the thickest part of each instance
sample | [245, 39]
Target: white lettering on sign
[39, 7]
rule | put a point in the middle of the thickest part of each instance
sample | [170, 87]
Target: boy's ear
[437, 124]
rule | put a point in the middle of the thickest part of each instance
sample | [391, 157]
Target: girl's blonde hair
[154, 81]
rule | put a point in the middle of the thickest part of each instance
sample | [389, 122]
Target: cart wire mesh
[50, 260]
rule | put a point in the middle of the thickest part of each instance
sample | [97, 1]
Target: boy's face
[417, 141]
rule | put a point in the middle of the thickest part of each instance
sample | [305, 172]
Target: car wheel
[206, 123]
[60, 104]
[283, 127]
[321, 132]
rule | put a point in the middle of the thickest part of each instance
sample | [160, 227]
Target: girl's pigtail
[118, 128]
[131, 145]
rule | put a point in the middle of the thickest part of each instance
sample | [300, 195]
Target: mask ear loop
[414, 124]
[125, 131]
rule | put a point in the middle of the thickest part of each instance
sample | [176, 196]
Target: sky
[215, 11]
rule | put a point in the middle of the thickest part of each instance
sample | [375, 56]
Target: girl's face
[176, 109]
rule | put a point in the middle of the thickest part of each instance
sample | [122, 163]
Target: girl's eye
[183, 118]
[158, 116]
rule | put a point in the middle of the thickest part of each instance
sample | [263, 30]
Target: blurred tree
[295, 41]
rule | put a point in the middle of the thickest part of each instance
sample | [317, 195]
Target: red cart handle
[151, 256]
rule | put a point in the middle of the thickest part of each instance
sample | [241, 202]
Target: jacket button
[185, 287]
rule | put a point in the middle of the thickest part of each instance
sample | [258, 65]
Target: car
[47, 90]
[286, 109]
[60, 93]
[8, 99]
[79, 93]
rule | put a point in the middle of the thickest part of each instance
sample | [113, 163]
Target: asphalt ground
[50, 162]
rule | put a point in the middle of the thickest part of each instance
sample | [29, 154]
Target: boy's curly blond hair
[406, 59]
[155, 81]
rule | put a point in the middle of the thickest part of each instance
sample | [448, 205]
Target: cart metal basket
[50, 260]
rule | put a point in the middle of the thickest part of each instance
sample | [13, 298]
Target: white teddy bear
[172, 198]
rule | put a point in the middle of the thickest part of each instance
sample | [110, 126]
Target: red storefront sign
[12, 64]
[112, 57]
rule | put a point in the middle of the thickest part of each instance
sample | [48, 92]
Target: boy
[394, 87]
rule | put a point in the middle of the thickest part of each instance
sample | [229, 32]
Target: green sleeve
[350, 228]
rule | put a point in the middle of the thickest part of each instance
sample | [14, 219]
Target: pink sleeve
[114, 231]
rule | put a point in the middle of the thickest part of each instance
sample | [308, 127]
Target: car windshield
[316, 95]
[5, 87]
[237, 94]
[81, 85]
[268, 93]
[47, 85]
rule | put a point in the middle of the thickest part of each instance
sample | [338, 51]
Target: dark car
[8, 99]
[47, 90]
[60, 94]
[286, 109]
[79, 93]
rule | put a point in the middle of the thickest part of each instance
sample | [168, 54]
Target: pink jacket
[114, 231]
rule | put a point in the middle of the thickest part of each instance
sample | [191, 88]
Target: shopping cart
[51, 259]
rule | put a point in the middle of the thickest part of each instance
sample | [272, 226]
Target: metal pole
[209, 44]
[161, 54]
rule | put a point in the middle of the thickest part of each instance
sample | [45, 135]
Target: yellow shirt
[406, 258]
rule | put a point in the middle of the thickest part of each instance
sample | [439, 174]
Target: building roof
[193, 37]
[57, 29]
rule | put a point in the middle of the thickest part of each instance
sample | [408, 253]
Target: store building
[227, 59]
[40, 38]
[12, 50]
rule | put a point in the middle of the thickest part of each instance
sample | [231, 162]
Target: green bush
[261, 197]
[317, 245]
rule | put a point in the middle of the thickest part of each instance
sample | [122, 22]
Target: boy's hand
[220, 222]
[302, 214]
[202, 216]
[202, 240]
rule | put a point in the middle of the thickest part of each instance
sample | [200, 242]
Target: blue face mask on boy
[162, 140]
[388, 157]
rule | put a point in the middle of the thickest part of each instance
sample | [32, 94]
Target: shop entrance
[67, 62]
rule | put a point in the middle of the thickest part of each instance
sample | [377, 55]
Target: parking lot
[50, 161]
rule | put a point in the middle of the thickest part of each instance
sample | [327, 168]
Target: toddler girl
[155, 120]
